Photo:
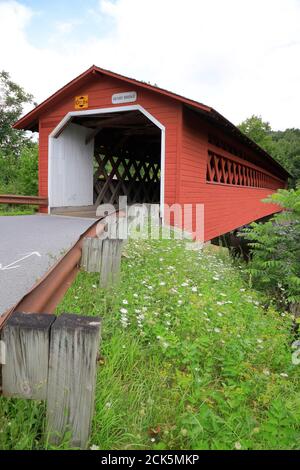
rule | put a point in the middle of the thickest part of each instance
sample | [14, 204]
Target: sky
[239, 56]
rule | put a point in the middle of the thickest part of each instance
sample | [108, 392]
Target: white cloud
[65, 27]
[240, 57]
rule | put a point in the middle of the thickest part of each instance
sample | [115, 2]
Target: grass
[11, 210]
[191, 358]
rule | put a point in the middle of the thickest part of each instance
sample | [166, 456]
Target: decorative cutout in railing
[222, 170]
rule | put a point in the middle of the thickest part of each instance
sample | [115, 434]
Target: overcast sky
[239, 56]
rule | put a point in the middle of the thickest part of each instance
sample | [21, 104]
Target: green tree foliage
[286, 149]
[284, 146]
[259, 131]
[19, 174]
[275, 265]
[12, 100]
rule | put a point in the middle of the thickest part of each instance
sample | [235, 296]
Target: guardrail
[28, 200]
[53, 347]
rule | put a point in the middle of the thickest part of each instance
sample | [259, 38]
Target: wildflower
[194, 289]
[216, 278]
[124, 310]
[94, 447]
[125, 302]
[283, 374]
[220, 314]
[135, 295]
[162, 283]
[184, 284]
[259, 340]
[94, 287]
[108, 404]
[217, 330]
[238, 445]
[152, 439]
[242, 290]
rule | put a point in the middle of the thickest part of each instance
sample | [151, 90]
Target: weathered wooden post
[27, 341]
[54, 359]
[103, 255]
[72, 378]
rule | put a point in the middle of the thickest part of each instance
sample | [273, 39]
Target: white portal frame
[116, 109]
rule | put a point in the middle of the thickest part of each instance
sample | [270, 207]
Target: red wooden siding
[227, 206]
[202, 164]
[100, 91]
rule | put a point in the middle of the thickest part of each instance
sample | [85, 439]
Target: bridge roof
[30, 120]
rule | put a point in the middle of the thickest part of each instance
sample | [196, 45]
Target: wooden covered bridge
[104, 135]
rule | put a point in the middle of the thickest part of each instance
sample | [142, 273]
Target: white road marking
[14, 265]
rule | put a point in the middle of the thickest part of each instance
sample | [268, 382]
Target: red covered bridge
[104, 135]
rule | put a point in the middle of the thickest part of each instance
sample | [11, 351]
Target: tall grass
[191, 358]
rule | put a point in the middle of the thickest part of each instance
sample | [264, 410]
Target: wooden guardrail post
[27, 342]
[54, 359]
[103, 255]
[72, 378]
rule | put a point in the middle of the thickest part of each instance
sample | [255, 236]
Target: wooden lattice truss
[127, 157]
[222, 170]
[116, 176]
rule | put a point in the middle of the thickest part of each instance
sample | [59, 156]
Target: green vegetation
[12, 101]
[13, 210]
[18, 153]
[275, 265]
[284, 146]
[19, 174]
[191, 358]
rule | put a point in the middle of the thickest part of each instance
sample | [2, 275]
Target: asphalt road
[40, 240]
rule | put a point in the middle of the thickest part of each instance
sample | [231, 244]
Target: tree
[287, 151]
[259, 131]
[284, 146]
[12, 99]
[276, 249]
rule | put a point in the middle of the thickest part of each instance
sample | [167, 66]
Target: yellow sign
[81, 102]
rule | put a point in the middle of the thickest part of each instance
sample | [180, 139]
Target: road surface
[29, 246]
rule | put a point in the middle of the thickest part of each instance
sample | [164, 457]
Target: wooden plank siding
[186, 154]
[100, 91]
[226, 206]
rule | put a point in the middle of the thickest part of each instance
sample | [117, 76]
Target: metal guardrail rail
[51, 288]
[28, 200]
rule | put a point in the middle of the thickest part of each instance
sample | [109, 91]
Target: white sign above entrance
[128, 97]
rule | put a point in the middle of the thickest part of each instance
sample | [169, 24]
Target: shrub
[275, 245]
[19, 174]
